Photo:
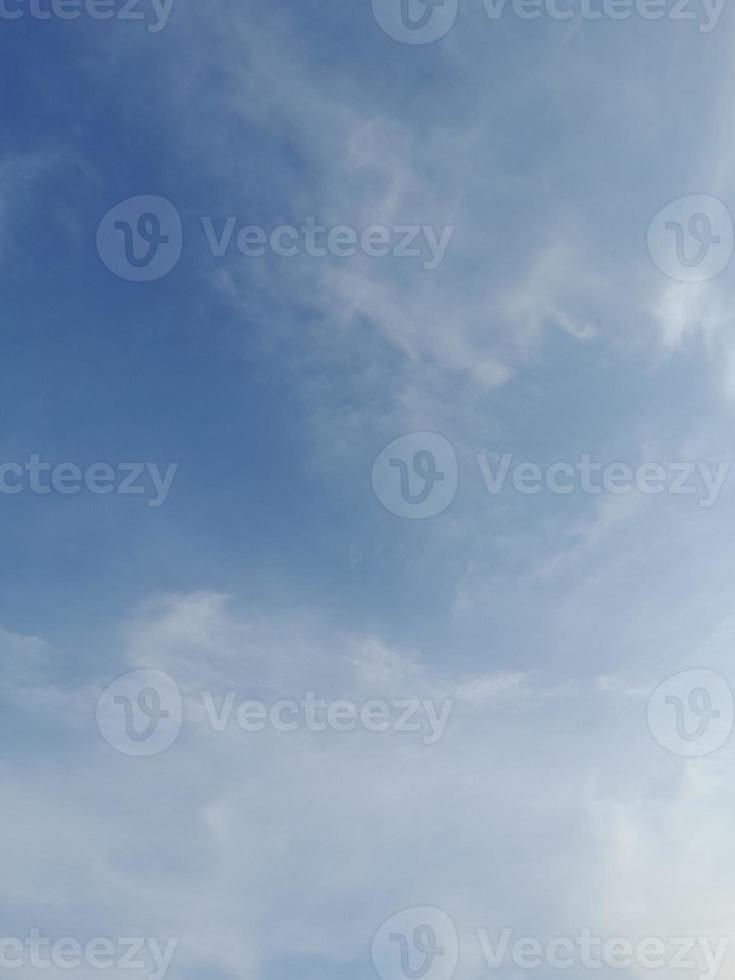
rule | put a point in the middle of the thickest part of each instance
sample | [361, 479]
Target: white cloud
[546, 810]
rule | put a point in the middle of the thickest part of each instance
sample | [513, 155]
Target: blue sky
[546, 332]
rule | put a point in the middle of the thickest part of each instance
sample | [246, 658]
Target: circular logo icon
[141, 238]
[691, 714]
[416, 944]
[692, 239]
[416, 476]
[415, 21]
[140, 713]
